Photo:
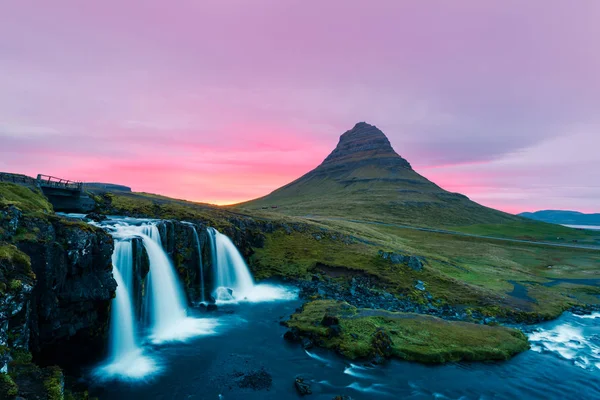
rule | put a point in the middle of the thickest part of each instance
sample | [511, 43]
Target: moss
[8, 388]
[367, 333]
[54, 383]
[24, 198]
[16, 257]
[15, 267]
[15, 285]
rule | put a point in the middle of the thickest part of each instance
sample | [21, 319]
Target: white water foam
[569, 342]
[316, 357]
[353, 370]
[375, 388]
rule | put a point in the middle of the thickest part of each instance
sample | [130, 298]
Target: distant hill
[563, 217]
[364, 178]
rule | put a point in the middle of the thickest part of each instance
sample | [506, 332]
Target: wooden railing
[54, 182]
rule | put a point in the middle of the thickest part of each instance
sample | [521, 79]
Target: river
[564, 363]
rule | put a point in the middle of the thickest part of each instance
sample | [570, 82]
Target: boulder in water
[302, 388]
[96, 217]
[211, 307]
[224, 294]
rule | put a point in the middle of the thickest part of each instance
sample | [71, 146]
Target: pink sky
[225, 100]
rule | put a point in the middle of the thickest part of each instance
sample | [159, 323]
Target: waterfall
[126, 357]
[123, 340]
[201, 268]
[232, 276]
[167, 301]
[164, 305]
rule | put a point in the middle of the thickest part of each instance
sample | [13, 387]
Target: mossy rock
[368, 334]
[8, 388]
[28, 200]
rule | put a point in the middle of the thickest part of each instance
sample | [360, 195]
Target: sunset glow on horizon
[225, 101]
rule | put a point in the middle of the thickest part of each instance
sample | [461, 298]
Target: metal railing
[54, 182]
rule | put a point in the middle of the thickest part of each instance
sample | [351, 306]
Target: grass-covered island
[376, 334]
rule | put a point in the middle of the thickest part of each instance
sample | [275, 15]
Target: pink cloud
[224, 101]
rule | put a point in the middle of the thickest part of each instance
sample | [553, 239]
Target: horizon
[228, 102]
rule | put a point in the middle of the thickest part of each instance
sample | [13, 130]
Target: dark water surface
[565, 363]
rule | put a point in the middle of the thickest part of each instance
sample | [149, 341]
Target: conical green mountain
[365, 179]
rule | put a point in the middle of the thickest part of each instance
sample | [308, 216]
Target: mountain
[563, 217]
[364, 178]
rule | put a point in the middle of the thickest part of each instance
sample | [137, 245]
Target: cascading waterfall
[167, 303]
[232, 276]
[164, 302]
[126, 357]
[122, 330]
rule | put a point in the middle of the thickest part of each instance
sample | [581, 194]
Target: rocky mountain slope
[364, 178]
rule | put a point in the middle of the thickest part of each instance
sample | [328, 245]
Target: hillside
[365, 178]
[563, 217]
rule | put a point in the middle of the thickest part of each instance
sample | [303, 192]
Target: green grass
[533, 230]
[24, 198]
[468, 272]
[155, 206]
[365, 333]
[460, 271]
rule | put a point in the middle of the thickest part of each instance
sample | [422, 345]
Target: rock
[382, 343]
[211, 307]
[96, 217]
[302, 388]
[291, 335]
[317, 237]
[307, 343]
[256, 380]
[224, 294]
[329, 320]
[342, 398]
[334, 330]
[415, 263]
[420, 286]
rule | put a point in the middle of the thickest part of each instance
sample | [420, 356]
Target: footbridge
[64, 194]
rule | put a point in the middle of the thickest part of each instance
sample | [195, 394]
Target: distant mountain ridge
[365, 178]
[563, 217]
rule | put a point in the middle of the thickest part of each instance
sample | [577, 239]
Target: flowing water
[251, 339]
[167, 317]
[210, 358]
[232, 277]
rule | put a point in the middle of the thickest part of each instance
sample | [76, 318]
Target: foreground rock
[377, 335]
[302, 387]
[56, 286]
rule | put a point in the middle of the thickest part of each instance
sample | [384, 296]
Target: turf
[365, 333]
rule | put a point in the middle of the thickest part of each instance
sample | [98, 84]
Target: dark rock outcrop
[413, 262]
[302, 387]
[70, 306]
[58, 305]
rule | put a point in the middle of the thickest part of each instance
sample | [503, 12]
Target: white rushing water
[575, 338]
[126, 357]
[164, 303]
[232, 279]
[232, 276]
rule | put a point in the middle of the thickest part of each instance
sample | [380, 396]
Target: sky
[222, 101]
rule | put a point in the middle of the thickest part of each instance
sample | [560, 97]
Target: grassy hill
[364, 178]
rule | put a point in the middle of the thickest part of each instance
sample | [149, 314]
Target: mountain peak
[364, 143]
